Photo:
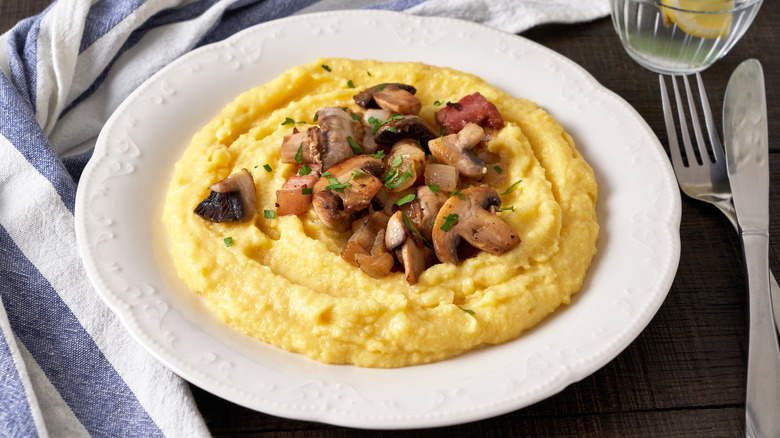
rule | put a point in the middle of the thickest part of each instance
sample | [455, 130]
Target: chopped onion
[444, 176]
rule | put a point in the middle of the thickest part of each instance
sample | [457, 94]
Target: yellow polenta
[283, 281]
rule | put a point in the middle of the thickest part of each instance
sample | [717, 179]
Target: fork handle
[763, 374]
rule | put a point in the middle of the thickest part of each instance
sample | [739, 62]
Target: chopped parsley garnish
[379, 154]
[299, 154]
[336, 186]
[350, 84]
[459, 193]
[343, 108]
[434, 188]
[269, 214]
[449, 220]
[368, 72]
[438, 103]
[304, 170]
[470, 312]
[397, 161]
[390, 176]
[316, 117]
[355, 117]
[326, 174]
[397, 182]
[325, 67]
[267, 167]
[307, 190]
[376, 123]
[498, 169]
[356, 149]
[289, 121]
[511, 207]
[509, 189]
[441, 132]
[228, 241]
[357, 173]
[406, 199]
[393, 129]
[380, 87]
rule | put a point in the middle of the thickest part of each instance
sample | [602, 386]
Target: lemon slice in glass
[706, 22]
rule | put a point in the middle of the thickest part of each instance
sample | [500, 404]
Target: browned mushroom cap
[309, 142]
[365, 248]
[471, 217]
[405, 127]
[366, 97]
[397, 100]
[346, 189]
[454, 150]
[338, 127]
[232, 199]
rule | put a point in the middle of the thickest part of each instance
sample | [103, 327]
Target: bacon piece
[473, 108]
[291, 199]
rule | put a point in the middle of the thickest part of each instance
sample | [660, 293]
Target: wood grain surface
[684, 376]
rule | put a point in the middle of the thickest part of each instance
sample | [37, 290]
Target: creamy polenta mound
[281, 279]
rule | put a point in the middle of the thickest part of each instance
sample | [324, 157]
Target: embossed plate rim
[639, 210]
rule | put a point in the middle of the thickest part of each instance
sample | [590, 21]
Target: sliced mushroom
[397, 100]
[411, 253]
[412, 256]
[338, 127]
[366, 97]
[471, 217]
[387, 200]
[309, 142]
[232, 199]
[395, 232]
[369, 145]
[454, 150]
[365, 248]
[403, 165]
[405, 127]
[346, 189]
[428, 203]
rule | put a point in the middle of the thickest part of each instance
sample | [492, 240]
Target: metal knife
[747, 161]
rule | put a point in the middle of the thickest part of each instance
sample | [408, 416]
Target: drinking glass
[681, 36]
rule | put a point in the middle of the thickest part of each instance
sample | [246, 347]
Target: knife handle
[762, 406]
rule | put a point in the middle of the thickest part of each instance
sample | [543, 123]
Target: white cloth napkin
[67, 366]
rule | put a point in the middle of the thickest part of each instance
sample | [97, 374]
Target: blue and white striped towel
[67, 367]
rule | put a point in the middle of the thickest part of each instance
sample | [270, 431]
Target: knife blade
[747, 161]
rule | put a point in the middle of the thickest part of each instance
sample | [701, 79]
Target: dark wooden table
[684, 376]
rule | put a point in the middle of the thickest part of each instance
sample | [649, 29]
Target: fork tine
[717, 148]
[671, 133]
[703, 153]
[686, 137]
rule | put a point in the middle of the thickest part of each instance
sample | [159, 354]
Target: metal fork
[703, 177]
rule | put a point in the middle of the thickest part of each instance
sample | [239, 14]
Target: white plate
[120, 197]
